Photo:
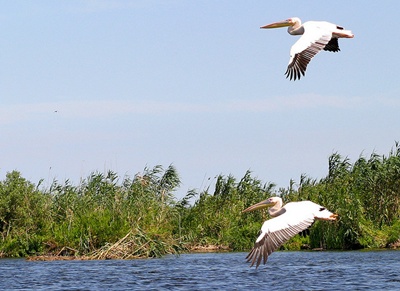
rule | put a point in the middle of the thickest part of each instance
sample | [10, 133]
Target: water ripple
[358, 270]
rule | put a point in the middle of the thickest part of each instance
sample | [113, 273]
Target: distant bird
[316, 36]
[287, 221]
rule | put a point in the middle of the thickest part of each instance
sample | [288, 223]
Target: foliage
[107, 216]
[217, 219]
[365, 195]
[97, 212]
[23, 216]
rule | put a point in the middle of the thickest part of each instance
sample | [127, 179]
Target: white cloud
[295, 102]
[104, 5]
[106, 108]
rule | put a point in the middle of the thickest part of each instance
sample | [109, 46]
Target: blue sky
[120, 85]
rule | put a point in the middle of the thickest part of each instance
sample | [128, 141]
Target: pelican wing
[332, 45]
[316, 36]
[277, 231]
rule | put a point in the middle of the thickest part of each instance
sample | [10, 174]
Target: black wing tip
[297, 67]
[259, 253]
[293, 74]
[332, 45]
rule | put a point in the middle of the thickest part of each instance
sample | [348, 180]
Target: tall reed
[105, 215]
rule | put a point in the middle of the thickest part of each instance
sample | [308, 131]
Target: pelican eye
[322, 209]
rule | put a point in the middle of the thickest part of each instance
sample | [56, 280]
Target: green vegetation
[81, 220]
[106, 216]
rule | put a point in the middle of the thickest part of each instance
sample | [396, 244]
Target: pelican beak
[334, 216]
[259, 205]
[284, 23]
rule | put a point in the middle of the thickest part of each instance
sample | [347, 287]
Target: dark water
[373, 270]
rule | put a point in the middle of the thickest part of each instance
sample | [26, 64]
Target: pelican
[287, 221]
[316, 36]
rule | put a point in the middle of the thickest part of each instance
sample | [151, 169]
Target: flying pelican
[287, 221]
[317, 35]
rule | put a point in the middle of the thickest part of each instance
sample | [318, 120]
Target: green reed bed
[106, 216]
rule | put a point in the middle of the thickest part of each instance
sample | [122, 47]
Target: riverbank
[61, 256]
[68, 254]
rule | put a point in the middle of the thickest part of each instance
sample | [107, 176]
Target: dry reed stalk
[127, 247]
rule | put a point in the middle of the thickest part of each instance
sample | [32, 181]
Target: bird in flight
[316, 36]
[286, 222]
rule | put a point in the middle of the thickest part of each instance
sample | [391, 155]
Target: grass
[107, 216]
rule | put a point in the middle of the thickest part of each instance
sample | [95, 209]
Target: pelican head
[288, 22]
[263, 204]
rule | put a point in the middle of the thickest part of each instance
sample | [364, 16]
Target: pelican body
[316, 36]
[286, 222]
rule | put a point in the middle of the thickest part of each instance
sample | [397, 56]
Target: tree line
[107, 216]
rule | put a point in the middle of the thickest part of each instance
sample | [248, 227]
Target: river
[353, 270]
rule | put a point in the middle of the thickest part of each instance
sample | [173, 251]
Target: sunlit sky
[122, 85]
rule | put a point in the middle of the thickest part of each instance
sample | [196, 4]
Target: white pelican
[317, 35]
[287, 221]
